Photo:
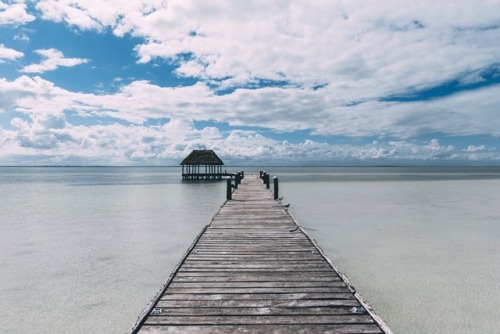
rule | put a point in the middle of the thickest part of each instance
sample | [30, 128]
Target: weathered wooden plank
[242, 284]
[250, 257]
[266, 296]
[252, 241]
[205, 259]
[261, 274]
[208, 290]
[255, 239]
[264, 329]
[248, 229]
[257, 303]
[255, 270]
[255, 279]
[235, 253]
[214, 266]
[258, 319]
[244, 244]
[252, 261]
[255, 249]
[248, 311]
[252, 249]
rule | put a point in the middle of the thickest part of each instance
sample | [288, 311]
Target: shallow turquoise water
[84, 249]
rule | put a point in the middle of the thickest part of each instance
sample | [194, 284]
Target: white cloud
[22, 37]
[9, 54]
[96, 14]
[14, 13]
[52, 139]
[41, 129]
[362, 50]
[473, 148]
[52, 60]
[282, 110]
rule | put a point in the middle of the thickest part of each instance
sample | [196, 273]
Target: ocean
[84, 249]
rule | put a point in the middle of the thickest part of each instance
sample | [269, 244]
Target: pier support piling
[276, 194]
[236, 180]
[229, 190]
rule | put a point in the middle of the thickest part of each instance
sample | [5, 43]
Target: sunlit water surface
[83, 250]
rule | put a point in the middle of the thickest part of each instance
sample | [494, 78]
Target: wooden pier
[253, 269]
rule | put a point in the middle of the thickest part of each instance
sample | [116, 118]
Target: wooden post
[240, 176]
[236, 180]
[229, 190]
[267, 181]
[276, 195]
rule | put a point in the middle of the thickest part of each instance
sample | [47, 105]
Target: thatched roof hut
[192, 166]
[202, 157]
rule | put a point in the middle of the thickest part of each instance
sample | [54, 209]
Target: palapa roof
[202, 157]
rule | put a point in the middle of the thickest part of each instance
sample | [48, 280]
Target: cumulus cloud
[14, 13]
[43, 128]
[362, 50]
[474, 148]
[56, 141]
[9, 54]
[22, 37]
[359, 54]
[96, 14]
[52, 60]
[466, 113]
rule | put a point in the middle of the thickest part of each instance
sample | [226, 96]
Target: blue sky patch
[470, 81]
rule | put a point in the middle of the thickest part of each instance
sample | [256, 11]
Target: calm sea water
[83, 250]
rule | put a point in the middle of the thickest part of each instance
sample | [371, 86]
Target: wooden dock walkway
[254, 270]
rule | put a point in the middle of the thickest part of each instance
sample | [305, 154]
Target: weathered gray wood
[284, 297]
[258, 319]
[243, 285]
[254, 279]
[249, 311]
[261, 275]
[208, 290]
[202, 257]
[263, 329]
[253, 270]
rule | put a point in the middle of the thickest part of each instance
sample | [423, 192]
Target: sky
[333, 82]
